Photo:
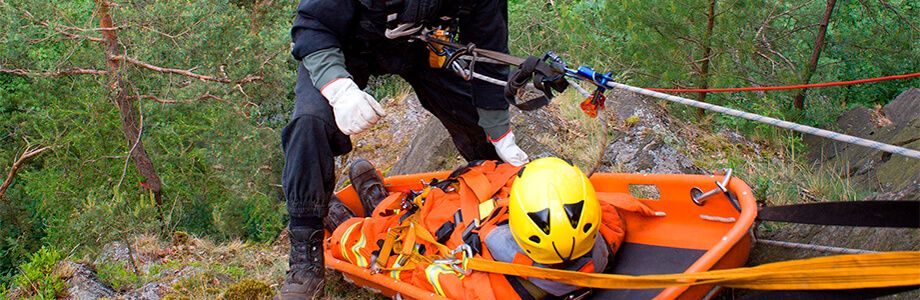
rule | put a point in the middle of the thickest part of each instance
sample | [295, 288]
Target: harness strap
[822, 273]
[904, 214]
[501, 58]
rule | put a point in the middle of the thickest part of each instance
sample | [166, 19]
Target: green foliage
[37, 276]
[218, 156]
[118, 274]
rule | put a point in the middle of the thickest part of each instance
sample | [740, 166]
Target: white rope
[741, 114]
[775, 122]
[828, 249]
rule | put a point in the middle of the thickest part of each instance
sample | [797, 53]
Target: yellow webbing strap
[401, 240]
[824, 273]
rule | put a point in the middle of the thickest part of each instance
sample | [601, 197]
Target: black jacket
[357, 27]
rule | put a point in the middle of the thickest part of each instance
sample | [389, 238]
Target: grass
[579, 137]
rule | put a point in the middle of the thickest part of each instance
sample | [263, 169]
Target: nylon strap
[499, 57]
[392, 236]
[401, 239]
[858, 271]
[823, 273]
[474, 188]
[904, 214]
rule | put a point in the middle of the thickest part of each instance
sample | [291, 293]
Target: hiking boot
[306, 278]
[368, 184]
[338, 214]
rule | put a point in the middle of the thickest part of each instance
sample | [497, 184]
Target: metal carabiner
[402, 30]
[466, 249]
[459, 265]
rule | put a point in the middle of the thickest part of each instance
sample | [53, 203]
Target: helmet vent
[535, 239]
[588, 227]
[573, 211]
[541, 219]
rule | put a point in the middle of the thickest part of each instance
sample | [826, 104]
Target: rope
[771, 121]
[837, 250]
[584, 73]
[791, 87]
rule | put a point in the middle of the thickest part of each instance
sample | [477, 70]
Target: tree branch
[18, 163]
[167, 101]
[68, 34]
[770, 18]
[895, 10]
[30, 73]
[188, 73]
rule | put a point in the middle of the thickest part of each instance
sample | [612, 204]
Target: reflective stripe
[432, 272]
[396, 265]
[358, 259]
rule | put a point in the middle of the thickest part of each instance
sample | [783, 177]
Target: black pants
[311, 140]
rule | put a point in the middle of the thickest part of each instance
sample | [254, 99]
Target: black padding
[443, 233]
[904, 214]
[640, 259]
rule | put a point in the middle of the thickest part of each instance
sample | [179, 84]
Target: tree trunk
[707, 51]
[129, 123]
[799, 102]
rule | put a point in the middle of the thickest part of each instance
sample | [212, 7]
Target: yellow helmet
[553, 211]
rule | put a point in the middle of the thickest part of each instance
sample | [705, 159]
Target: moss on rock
[248, 289]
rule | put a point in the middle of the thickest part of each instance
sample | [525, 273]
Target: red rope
[790, 87]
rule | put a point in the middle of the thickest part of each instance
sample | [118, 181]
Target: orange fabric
[383, 236]
[389, 204]
[626, 202]
[613, 228]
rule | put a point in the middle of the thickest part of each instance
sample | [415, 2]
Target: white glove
[355, 110]
[509, 151]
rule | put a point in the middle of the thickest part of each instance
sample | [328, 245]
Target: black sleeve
[319, 24]
[487, 28]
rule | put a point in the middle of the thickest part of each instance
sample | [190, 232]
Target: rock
[897, 123]
[179, 275]
[113, 252]
[904, 108]
[82, 283]
[643, 146]
[639, 152]
[431, 150]
[150, 291]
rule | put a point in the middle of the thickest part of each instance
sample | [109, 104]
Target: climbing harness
[548, 73]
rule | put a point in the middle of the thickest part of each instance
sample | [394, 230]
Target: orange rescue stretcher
[688, 235]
